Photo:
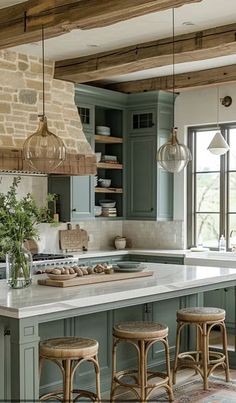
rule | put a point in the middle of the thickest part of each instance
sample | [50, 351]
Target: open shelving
[110, 145]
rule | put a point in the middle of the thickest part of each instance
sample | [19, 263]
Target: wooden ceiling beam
[190, 47]
[20, 24]
[209, 77]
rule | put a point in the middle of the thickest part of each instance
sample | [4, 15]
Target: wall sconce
[226, 101]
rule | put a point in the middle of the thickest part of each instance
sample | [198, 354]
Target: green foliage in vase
[19, 218]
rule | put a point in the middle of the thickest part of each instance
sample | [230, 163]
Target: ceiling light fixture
[43, 150]
[218, 145]
[173, 156]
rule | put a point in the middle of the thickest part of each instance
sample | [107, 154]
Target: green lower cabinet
[164, 312]
[51, 376]
[223, 298]
[157, 259]
[127, 353]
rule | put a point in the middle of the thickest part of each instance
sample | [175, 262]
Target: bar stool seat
[68, 353]
[203, 359]
[142, 335]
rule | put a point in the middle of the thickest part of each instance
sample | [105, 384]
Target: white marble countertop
[168, 281]
[115, 252]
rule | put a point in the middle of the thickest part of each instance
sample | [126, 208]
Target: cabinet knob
[74, 209]
[152, 208]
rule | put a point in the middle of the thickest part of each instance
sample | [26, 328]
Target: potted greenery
[18, 222]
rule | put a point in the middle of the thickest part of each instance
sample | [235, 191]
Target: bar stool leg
[143, 371]
[225, 350]
[204, 355]
[113, 369]
[167, 354]
[198, 345]
[177, 347]
[97, 371]
[67, 381]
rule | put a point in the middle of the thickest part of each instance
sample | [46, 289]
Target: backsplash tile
[142, 234]
[154, 234]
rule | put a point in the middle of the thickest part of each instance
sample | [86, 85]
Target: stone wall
[21, 102]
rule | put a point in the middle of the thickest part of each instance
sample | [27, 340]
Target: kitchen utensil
[61, 276]
[128, 269]
[104, 183]
[103, 130]
[96, 278]
[107, 203]
[73, 239]
[128, 265]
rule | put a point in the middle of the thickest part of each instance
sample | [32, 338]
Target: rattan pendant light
[173, 156]
[218, 145]
[44, 150]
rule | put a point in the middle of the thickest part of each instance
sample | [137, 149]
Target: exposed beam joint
[191, 47]
[183, 81]
[21, 23]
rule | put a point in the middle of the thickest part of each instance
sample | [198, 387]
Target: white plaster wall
[198, 107]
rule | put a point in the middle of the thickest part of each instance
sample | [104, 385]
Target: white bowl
[107, 203]
[104, 183]
[103, 130]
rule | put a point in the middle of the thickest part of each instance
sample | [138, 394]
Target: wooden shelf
[106, 165]
[108, 190]
[108, 139]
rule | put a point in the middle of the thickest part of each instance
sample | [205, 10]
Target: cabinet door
[82, 192]
[82, 197]
[141, 179]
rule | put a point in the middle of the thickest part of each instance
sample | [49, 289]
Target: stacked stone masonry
[21, 102]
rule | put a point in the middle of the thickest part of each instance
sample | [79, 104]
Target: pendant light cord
[43, 70]
[173, 63]
[217, 108]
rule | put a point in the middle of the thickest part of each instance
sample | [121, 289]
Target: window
[142, 120]
[211, 188]
[84, 115]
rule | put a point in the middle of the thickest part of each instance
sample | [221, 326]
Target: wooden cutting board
[73, 239]
[94, 278]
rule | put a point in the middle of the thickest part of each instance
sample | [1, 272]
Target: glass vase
[18, 267]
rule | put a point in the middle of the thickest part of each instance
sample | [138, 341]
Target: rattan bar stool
[69, 353]
[203, 360]
[142, 335]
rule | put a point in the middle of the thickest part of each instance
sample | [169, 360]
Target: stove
[50, 256]
[41, 261]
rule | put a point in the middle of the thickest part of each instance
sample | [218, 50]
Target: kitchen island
[90, 311]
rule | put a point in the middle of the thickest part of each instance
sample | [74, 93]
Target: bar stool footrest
[190, 358]
[134, 374]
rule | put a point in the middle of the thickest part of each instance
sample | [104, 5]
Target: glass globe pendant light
[218, 145]
[43, 150]
[173, 156]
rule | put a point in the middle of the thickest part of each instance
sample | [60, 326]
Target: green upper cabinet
[139, 124]
[149, 187]
[141, 177]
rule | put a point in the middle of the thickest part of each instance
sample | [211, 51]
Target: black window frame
[224, 183]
